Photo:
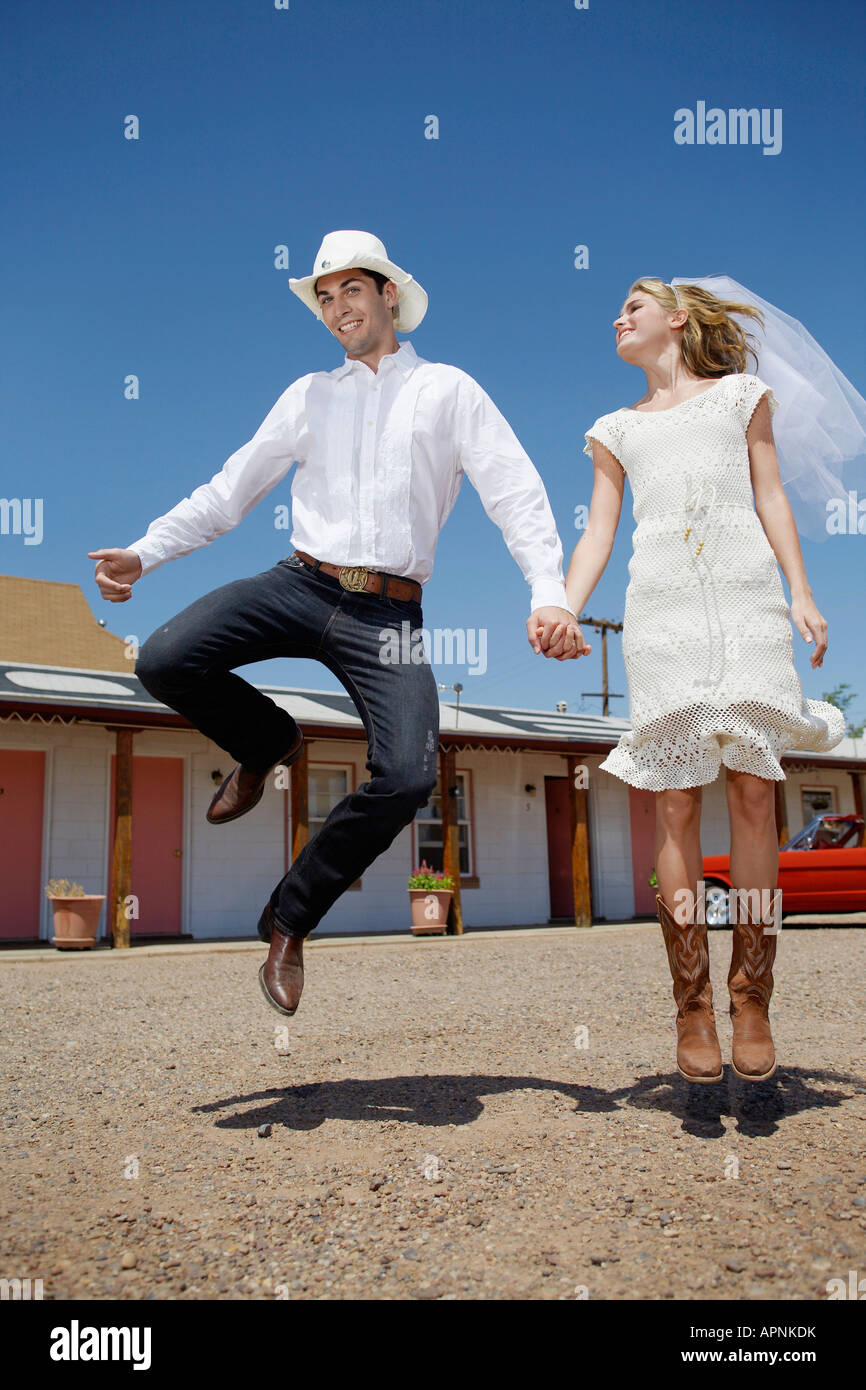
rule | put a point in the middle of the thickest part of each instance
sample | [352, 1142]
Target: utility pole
[602, 625]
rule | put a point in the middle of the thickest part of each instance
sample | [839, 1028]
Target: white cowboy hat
[345, 250]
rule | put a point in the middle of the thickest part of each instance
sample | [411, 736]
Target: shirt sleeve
[607, 432]
[511, 492]
[244, 479]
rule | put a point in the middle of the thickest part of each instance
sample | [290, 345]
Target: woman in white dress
[707, 638]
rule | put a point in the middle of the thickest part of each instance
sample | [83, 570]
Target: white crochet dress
[707, 637]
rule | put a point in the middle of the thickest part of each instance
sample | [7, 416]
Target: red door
[556, 802]
[157, 845]
[22, 783]
[642, 816]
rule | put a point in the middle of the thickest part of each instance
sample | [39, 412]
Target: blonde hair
[713, 344]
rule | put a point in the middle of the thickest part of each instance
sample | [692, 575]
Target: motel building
[103, 785]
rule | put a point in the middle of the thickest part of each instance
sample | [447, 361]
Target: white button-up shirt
[381, 457]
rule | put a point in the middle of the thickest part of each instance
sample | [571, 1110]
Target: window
[817, 801]
[327, 785]
[428, 828]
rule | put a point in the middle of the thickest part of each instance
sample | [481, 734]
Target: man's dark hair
[379, 280]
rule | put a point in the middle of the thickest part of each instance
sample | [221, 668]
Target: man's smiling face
[355, 312]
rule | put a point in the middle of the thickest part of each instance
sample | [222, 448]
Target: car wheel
[716, 906]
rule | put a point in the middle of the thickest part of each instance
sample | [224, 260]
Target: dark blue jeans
[292, 611]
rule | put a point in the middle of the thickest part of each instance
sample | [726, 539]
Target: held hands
[810, 624]
[555, 632]
[116, 573]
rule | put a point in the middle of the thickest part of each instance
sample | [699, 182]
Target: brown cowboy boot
[750, 984]
[282, 975]
[699, 1057]
[242, 790]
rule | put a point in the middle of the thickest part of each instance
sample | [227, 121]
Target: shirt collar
[404, 360]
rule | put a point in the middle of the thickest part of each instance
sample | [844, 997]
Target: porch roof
[85, 695]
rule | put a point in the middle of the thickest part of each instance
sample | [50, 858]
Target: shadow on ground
[756, 1107]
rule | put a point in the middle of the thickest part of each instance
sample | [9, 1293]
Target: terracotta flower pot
[76, 921]
[429, 910]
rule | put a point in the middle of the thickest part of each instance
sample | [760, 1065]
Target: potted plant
[430, 893]
[76, 914]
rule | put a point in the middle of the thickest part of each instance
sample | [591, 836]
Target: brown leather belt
[359, 580]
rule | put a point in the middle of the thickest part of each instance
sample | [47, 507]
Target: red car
[822, 869]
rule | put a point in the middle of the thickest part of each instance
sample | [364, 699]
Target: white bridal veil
[820, 426]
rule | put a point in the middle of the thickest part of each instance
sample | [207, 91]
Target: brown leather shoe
[282, 975]
[699, 1057]
[750, 984]
[242, 790]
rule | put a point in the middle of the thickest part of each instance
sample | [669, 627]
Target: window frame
[469, 879]
[330, 764]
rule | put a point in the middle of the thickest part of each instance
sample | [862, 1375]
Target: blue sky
[261, 127]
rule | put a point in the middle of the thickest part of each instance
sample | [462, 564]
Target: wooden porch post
[122, 860]
[300, 803]
[450, 836]
[781, 814]
[580, 876]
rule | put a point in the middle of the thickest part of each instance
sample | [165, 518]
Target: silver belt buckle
[354, 578]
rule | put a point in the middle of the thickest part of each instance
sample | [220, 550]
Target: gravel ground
[475, 1118]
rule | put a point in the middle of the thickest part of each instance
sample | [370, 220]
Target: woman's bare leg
[678, 842]
[754, 838]
[678, 868]
[754, 866]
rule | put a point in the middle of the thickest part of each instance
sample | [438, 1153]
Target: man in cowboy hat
[381, 443]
